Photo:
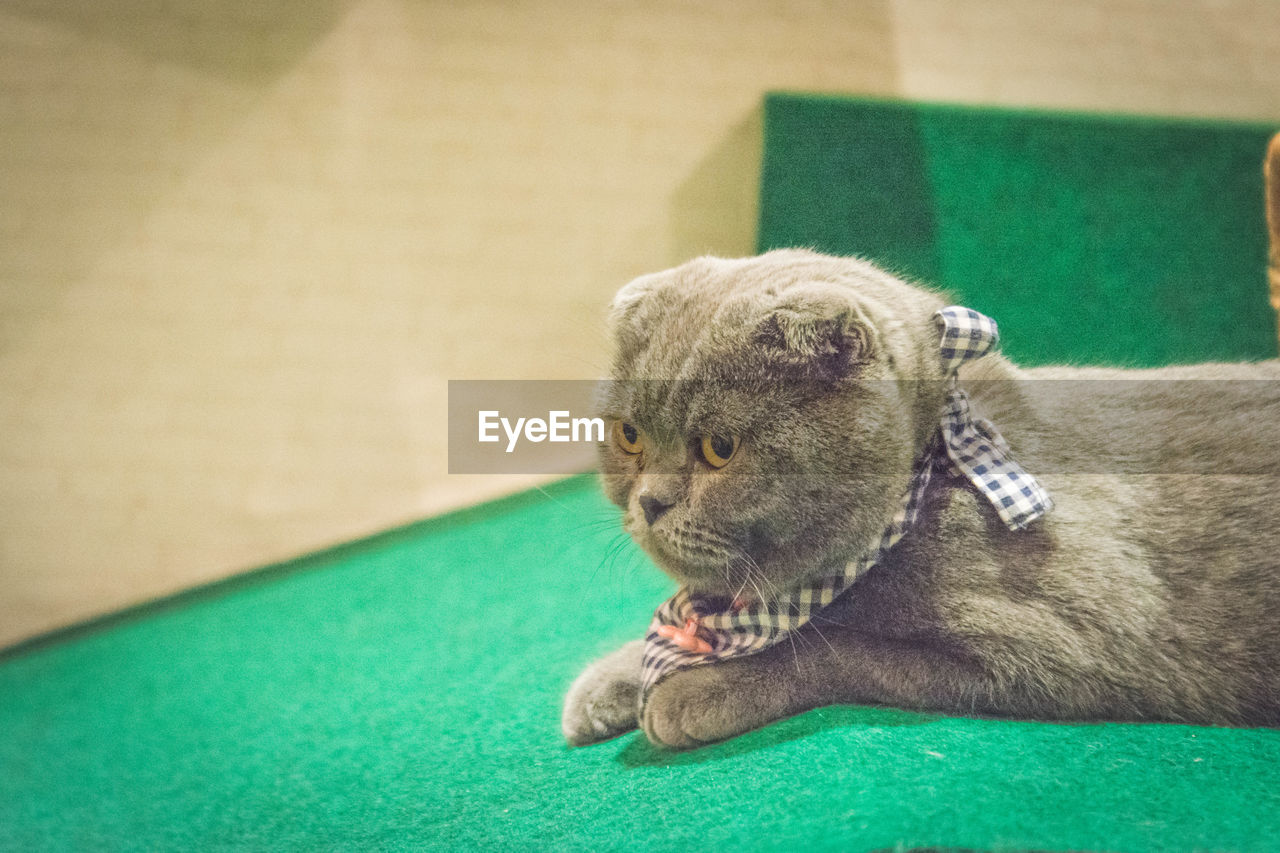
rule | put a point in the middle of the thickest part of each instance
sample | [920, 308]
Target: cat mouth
[707, 568]
[697, 568]
[676, 552]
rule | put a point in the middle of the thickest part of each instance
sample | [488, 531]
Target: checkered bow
[687, 631]
[974, 446]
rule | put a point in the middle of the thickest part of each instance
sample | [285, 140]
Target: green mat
[404, 693]
[1091, 239]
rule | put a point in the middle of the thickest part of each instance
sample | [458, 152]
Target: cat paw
[602, 702]
[693, 707]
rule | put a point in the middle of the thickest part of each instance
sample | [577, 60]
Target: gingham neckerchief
[973, 449]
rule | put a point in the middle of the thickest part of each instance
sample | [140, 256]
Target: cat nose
[653, 508]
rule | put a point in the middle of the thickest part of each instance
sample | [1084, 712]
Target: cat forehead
[672, 410]
[702, 287]
[761, 275]
[715, 304]
[717, 292]
[693, 319]
[759, 281]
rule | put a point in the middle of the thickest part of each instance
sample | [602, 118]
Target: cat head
[766, 414]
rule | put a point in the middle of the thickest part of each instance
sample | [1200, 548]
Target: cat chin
[706, 582]
[698, 577]
[716, 579]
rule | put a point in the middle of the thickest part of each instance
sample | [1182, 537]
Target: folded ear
[819, 329]
[627, 299]
[630, 314]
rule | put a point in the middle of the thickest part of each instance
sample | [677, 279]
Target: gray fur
[1142, 596]
[602, 701]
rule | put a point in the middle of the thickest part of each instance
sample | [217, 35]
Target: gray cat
[1150, 592]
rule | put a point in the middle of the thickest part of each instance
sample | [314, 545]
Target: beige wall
[243, 245]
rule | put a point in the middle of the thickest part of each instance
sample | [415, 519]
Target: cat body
[1150, 592]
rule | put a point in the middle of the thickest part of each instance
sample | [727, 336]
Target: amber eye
[717, 450]
[627, 436]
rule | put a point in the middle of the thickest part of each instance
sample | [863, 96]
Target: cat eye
[717, 450]
[627, 437]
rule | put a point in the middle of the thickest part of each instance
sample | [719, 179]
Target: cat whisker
[599, 523]
[813, 623]
[620, 546]
[791, 635]
[616, 547]
[607, 558]
[754, 571]
[756, 586]
[737, 595]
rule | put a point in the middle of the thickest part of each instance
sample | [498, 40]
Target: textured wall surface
[243, 246]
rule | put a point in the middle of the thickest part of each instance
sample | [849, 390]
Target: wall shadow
[193, 33]
[114, 104]
[716, 209]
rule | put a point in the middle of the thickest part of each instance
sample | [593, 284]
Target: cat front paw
[602, 702]
[694, 707]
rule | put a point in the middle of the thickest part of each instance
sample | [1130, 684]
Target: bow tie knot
[975, 448]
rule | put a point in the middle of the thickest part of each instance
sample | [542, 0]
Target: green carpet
[405, 693]
[1092, 239]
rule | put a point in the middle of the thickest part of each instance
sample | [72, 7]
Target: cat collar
[687, 631]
